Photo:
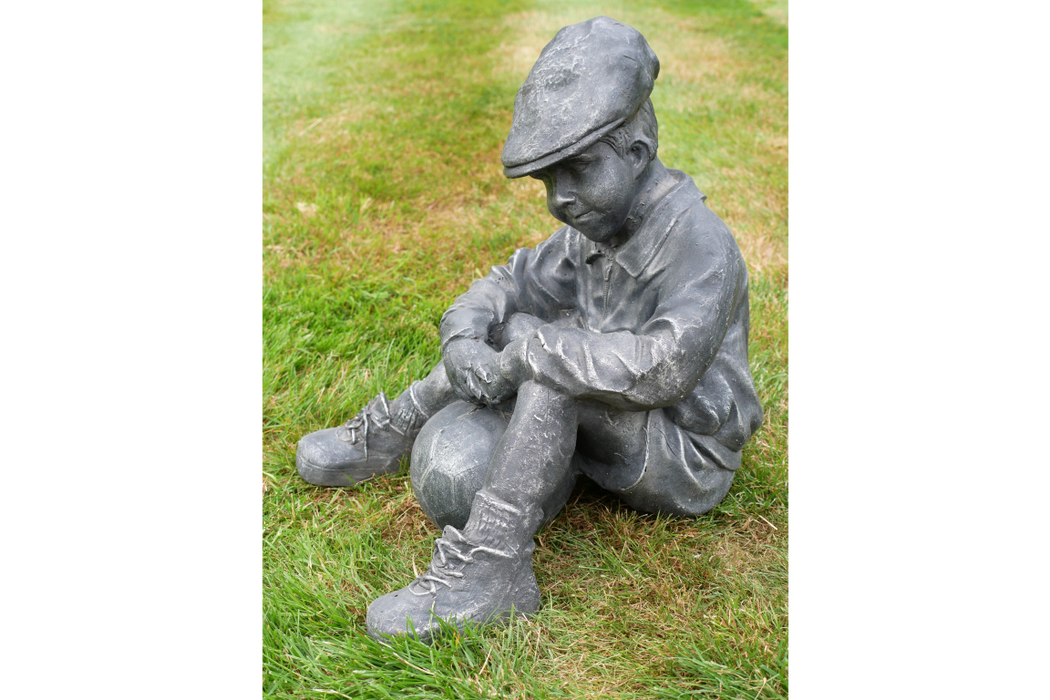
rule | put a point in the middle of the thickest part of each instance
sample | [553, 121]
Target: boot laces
[443, 551]
[359, 425]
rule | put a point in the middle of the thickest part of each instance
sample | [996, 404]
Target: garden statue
[616, 349]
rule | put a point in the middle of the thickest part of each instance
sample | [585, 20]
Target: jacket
[661, 322]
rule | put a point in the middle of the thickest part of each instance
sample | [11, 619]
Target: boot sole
[523, 600]
[441, 627]
[343, 478]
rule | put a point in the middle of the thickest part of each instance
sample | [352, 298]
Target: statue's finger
[475, 388]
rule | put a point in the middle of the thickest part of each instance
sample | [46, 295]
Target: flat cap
[590, 79]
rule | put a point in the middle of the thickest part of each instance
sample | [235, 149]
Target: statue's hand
[513, 362]
[473, 369]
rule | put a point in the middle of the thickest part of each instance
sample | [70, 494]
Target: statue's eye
[578, 165]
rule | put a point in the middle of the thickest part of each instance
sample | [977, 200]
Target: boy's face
[592, 191]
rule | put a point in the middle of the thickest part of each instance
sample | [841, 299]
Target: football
[450, 457]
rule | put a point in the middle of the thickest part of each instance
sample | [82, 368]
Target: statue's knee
[551, 402]
[450, 458]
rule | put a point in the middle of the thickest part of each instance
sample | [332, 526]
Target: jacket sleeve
[657, 366]
[539, 282]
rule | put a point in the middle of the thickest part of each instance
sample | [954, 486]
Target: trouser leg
[534, 456]
[423, 399]
[683, 474]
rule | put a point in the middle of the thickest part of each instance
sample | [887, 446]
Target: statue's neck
[653, 184]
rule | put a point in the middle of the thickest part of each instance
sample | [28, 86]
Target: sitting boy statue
[616, 349]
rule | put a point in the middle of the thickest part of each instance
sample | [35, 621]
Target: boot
[372, 442]
[482, 575]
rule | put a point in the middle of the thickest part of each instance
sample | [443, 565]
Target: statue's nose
[561, 194]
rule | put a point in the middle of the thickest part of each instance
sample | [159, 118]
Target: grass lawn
[383, 199]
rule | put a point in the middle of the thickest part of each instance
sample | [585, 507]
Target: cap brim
[581, 145]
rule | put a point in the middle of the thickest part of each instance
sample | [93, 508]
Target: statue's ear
[638, 157]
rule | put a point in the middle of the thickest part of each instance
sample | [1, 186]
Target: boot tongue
[495, 523]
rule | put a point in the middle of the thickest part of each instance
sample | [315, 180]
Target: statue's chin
[591, 227]
[603, 236]
[600, 227]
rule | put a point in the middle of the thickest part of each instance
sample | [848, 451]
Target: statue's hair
[640, 127]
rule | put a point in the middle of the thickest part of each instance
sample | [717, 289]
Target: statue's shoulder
[695, 224]
[565, 242]
[686, 204]
[692, 203]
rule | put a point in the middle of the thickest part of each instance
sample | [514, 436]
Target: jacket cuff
[467, 334]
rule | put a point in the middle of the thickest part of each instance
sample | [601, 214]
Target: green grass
[383, 198]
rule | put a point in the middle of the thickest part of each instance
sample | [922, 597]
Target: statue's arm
[537, 282]
[653, 368]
